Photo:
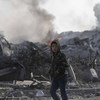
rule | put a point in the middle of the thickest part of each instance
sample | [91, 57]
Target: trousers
[58, 83]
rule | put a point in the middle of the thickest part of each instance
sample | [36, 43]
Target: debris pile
[81, 49]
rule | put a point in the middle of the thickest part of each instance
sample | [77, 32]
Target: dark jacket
[58, 63]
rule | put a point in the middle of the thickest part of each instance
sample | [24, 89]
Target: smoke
[72, 15]
[97, 14]
[24, 20]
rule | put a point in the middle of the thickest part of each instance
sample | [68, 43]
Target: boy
[57, 71]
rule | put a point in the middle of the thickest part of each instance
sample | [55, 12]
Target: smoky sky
[97, 14]
[72, 15]
[37, 20]
[24, 20]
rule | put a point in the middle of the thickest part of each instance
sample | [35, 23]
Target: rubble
[35, 57]
[83, 52]
[32, 93]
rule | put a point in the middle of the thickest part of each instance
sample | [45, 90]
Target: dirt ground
[49, 98]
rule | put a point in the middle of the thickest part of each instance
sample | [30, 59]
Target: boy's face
[54, 48]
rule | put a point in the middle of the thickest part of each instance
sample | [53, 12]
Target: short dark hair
[53, 43]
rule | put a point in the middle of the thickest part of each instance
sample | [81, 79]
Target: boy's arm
[69, 69]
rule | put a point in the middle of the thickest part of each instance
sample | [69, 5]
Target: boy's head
[55, 46]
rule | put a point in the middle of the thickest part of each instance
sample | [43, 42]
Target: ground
[22, 91]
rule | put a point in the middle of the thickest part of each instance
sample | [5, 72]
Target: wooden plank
[5, 71]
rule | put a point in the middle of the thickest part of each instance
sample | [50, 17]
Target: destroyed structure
[31, 61]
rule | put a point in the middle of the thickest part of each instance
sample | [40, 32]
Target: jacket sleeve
[64, 60]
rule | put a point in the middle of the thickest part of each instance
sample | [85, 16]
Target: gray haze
[24, 20]
[72, 15]
[97, 14]
[27, 20]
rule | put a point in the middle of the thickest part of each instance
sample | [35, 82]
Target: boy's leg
[54, 87]
[62, 85]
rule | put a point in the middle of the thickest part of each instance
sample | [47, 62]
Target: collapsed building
[18, 61]
[82, 50]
